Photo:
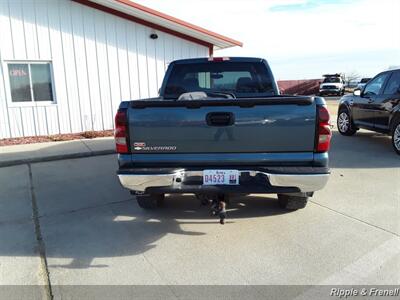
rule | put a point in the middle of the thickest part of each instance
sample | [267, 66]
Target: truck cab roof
[222, 58]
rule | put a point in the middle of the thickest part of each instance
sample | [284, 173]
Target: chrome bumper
[330, 91]
[304, 182]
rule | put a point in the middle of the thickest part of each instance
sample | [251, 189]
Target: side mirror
[357, 92]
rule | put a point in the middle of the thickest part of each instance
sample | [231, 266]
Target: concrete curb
[55, 157]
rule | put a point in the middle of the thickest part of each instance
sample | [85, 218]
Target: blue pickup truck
[219, 127]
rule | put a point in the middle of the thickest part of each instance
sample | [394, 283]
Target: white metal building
[66, 64]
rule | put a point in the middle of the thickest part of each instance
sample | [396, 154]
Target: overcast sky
[301, 38]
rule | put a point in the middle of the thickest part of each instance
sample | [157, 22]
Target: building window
[30, 82]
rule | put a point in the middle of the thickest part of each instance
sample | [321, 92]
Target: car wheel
[150, 201]
[344, 123]
[291, 202]
[396, 137]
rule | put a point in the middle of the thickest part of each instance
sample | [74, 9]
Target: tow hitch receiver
[217, 205]
[218, 209]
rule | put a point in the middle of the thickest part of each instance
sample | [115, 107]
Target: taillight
[121, 132]
[324, 133]
[218, 58]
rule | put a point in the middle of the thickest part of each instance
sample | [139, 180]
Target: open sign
[18, 73]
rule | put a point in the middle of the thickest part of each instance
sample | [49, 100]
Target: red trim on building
[143, 22]
[180, 22]
[210, 50]
[159, 27]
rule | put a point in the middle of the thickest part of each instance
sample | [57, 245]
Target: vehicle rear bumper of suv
[250, 181]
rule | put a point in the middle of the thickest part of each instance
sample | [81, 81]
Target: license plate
[220, 177]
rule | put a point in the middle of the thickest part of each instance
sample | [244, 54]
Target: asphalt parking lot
[92, 232]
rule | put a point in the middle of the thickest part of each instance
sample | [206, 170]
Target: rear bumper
[250, 181]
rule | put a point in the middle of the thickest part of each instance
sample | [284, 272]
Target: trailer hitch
[217, 205]
[218, 208]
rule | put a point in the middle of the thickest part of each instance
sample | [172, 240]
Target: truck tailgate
[281, 124]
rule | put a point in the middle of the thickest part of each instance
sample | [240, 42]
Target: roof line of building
[156, 14]
[180, 22]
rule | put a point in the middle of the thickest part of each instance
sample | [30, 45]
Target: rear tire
[290, 202]
[396, 136]
[345, 124]
[150, 201]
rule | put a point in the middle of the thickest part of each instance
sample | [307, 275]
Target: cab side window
[393, 86]
[375, 85]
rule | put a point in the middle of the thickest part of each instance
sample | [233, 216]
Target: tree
[352, 77]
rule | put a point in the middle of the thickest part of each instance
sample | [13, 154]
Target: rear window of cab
[239, 78]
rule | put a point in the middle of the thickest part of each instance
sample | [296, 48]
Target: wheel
[344, 123]
[290, 202]
[150, 201]
[396, 136]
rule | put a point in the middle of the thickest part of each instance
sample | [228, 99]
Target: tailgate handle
[220, 119]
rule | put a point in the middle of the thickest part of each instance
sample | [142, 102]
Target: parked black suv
[376, 107]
